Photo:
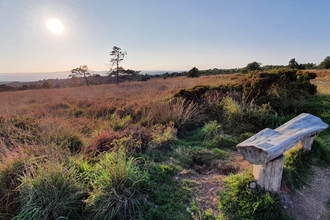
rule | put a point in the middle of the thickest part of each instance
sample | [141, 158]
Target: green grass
[168, 196]
[50, 192]
[118, 188]
[297, 170]
[239, 201]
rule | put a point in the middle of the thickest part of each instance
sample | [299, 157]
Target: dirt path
[310, 203]
[207, 185]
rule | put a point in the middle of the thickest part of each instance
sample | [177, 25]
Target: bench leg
[307, 143]
[269, 175]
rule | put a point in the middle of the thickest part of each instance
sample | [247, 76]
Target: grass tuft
[239, 201]
[118, 188]
[50, 192]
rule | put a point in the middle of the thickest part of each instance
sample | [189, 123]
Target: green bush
[127, 144]
[211, 130]
[221, 142]
[162, 136]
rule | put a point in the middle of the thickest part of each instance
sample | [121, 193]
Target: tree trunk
[86, 80]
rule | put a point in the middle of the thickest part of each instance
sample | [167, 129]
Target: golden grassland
[48, 102]
[42, 101]
[322, 81]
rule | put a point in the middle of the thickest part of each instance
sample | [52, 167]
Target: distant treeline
[194, 72]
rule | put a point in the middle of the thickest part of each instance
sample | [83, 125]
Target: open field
[144, 150]
[33, 101]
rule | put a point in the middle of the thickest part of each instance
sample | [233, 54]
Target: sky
[39, 36]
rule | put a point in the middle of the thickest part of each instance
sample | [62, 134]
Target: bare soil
[310, 202]
[209, 183]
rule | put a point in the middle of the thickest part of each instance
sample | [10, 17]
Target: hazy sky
[160, 34]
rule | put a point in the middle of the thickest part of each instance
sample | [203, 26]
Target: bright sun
[55, 26]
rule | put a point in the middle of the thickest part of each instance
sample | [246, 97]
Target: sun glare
[55, 26]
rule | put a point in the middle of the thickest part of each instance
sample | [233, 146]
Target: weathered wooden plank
[269, 144]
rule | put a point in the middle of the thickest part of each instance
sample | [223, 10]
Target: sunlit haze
[55, 26]
[51, 36]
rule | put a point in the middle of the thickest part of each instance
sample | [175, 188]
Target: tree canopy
[252, 66]
[117, 56]
[325, 64]
[194, 72]
[81, 71]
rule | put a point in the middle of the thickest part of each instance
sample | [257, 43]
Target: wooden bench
[265, 149]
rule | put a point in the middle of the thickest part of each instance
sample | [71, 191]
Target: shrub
[103, 142]
[221, 141]
[126, 110]
[127, 144]
[211, 130]
[162, 136]
[118, 123]
[131, 139]
[68, 139]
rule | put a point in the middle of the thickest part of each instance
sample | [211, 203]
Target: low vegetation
[134, 150]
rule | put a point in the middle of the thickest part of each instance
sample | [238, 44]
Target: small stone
[253, 185]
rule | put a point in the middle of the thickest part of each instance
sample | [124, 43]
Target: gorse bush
[247, 104]
[118, 186]
[162, 136]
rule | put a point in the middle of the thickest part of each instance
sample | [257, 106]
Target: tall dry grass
[47, 102]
